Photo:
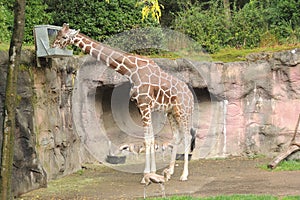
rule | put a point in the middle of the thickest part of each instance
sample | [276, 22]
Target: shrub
[284, 19]
[34, 14]
[207, 26]
[98, 19]
[253, 24]
[249, 25]
[6, 21]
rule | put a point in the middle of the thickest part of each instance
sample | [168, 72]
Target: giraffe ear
[74, 33]
[65, 27]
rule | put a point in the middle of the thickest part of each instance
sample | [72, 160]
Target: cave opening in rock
[113, 114]
[121, 118]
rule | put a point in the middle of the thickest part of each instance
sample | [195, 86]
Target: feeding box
[44, 36]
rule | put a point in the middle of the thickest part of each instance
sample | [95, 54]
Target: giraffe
[152, 89]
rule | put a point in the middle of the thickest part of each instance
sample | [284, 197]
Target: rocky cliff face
[243, 108]
[260, 102]
[28, 171]
[46, 147]
[59, 145]
[252, 107]
[73, 110]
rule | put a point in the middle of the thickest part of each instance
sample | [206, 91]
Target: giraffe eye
[64, 37]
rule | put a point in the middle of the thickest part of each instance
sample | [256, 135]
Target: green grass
[5, 46]
[233, 54]
[291, 198]
[230, 197]
[224, 55]
[290, 165]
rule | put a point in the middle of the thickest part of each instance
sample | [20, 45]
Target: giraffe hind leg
[175, 143]
[187, 146]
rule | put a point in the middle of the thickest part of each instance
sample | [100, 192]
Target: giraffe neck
[119, 61]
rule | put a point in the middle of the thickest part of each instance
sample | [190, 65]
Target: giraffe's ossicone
[152, 88]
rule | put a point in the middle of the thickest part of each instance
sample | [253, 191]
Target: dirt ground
[207, 178]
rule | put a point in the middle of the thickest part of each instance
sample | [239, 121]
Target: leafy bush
[206, 26]
[248, 25]
[254, 24]
[284, 19]
[34, 12]
[6, 21]
[98, 19]
[35, 15]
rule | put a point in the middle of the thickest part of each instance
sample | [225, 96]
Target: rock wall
[261, 102]
[253, 107]
[242, 108]
[58, 144]
[28, 171]
[46, 147]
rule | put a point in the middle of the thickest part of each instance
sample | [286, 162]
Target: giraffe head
[64, 37]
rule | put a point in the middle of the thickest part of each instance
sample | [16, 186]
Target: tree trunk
[227, 10]
[10, 104]
[291, 149]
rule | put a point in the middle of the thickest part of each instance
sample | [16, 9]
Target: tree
[10, 104]
[227, 9]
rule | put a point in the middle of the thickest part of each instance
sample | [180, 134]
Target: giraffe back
[162, 91]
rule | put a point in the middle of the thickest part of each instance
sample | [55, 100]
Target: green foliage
[206, 26]
[6, 20]
[284, 19]
[252, 24]
[257, 23]
[35, 15]
[98, 19]
[248, 25]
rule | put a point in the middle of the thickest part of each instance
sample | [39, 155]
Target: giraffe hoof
[183, 178]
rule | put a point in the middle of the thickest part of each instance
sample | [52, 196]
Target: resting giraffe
[152, 89]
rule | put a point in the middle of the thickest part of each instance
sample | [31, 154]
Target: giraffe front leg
[152, 156]
[150, 165]
[145, 110]
[147, 151]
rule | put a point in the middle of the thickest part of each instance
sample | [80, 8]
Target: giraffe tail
[193, 140]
